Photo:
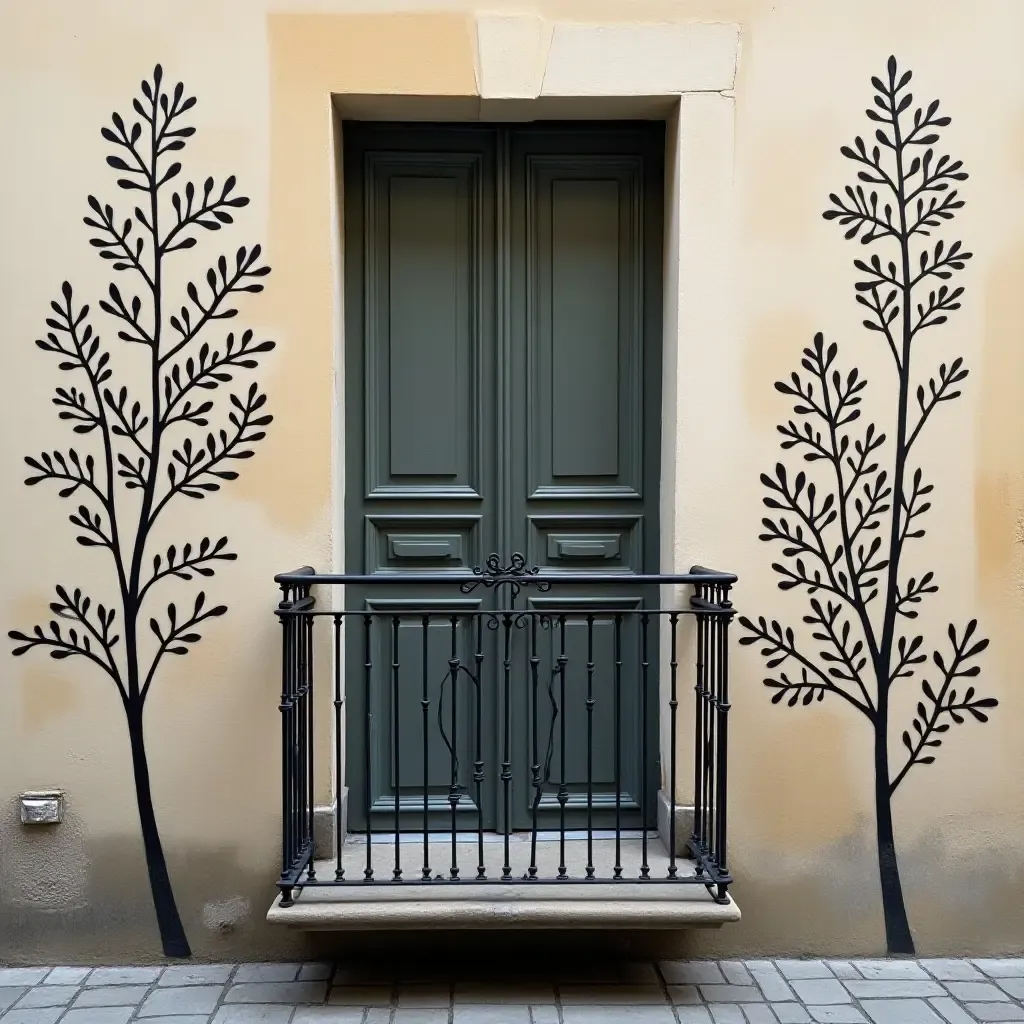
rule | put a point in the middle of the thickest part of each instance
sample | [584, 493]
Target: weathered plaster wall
[264, 73]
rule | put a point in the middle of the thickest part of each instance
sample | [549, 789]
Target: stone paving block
[98, 1015]
[22, 976]
[360, 995]
[267, 972]
[277, 992]
[773, 986]
[111, 995]
[483, 1014]
[192, 999]
[890, 970]
[480, 993]
[684, 995]
[843, 970]
[39, 1015]
[377, 1015]
[610, 995]
[253, 1014]
[615, 1015]
[429, 996]
[759, 1013]
[9, 996]
[544, 1014]
[894, 989]
[802, 969]
[315, 972]
[123, 976]
[1012, 986]
[48, 995]
[199, 974]
[1000, 968]
[791, 1013]
[952, 970]
[821, 991]
[731, 993]
[420, 1015]
[900, 1011]
[735, 972]
[694, 1015]
[67, 976]
[984, 1011]
[951, 1011]
[977, 991]
[186, 1018]
[726, 1013]
[848, 1014]
[326, 1015]
[692, 972]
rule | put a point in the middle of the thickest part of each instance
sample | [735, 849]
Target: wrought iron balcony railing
[580, 700]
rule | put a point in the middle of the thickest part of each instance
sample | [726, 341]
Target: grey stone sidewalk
[684, 992]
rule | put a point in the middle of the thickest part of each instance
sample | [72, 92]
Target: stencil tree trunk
[145, 443]
[831, 525]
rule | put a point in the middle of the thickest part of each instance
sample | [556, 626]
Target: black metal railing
[524, 686]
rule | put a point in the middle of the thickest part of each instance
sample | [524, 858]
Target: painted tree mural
[152, 448]
[845, 521]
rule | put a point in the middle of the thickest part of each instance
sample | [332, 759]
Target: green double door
[502, 394]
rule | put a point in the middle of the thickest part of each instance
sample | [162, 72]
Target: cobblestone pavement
[684, 992]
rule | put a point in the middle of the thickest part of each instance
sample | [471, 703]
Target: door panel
[502, 394]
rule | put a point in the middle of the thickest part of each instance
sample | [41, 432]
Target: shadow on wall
[151, 439]
[845, 521]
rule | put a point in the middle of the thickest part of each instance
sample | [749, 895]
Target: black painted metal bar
[310, 760]
[673, 707]
[645, 869]
[695, 577]
[478, 765]
[506, 757]
[563, 792]
[534, 745]
[339, 871]
[368, 739]
[617, 870]
[286, 847]
[723, 737]
[453, 790]
[590, 746]
[396, 743]
[425, 705]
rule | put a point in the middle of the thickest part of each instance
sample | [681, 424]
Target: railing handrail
[307, 576]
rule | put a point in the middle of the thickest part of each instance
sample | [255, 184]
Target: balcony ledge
[518, 904]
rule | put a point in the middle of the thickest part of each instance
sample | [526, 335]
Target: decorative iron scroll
[515, 575]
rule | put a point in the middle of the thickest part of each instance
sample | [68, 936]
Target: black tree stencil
[144, 450]
[844, 525]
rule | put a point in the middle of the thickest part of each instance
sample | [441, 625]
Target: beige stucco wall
[801, 814]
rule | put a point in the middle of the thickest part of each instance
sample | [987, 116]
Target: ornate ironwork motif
[515, 576]
[844, 531]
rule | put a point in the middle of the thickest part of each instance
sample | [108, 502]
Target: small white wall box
[42, 807]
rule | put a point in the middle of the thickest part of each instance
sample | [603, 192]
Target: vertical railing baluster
[506, 758]
[645, 869]
[453, 791]
[298, 775]
[286, 628]
[590, 746]
[425, 705]
[618, 746]
[673, 706]
[723, 731]
[339, 871]
[563, 791]
[710, 806]
[396, 747]
[698, 740]
[310, 622]
[535, 748]
[368, 738]
[478, 764]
